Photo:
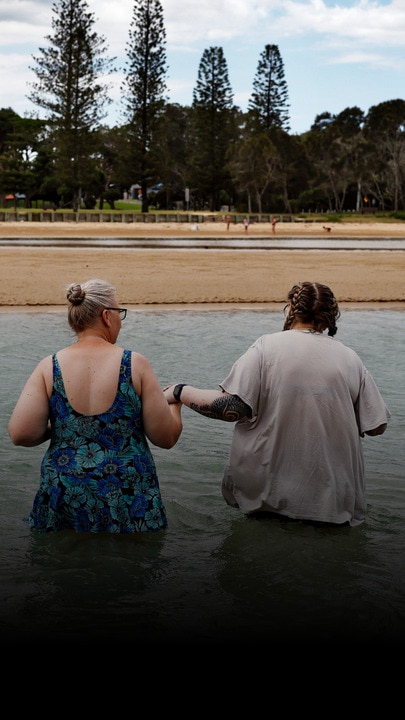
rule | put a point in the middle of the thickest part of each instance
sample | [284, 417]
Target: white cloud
[348, 49]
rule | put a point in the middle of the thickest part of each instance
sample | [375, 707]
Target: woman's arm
[376, 431]
[162, 422]
[215, 404]
[29, 422]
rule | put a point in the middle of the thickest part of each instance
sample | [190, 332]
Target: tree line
[205, 156]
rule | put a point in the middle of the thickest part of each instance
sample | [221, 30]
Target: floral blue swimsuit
[98, 473]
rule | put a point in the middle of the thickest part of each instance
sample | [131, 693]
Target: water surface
[214, 576]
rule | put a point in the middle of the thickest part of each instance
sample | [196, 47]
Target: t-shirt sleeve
[371, 410]
[244, 378]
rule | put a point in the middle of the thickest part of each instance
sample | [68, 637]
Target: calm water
[213, 576]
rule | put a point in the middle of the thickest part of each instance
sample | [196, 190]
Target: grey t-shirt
[301, 453]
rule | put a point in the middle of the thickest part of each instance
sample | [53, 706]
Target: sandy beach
[34, 276]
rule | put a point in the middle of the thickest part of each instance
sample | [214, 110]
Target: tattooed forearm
[227, 407]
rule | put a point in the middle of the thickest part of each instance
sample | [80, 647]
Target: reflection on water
[213, 576]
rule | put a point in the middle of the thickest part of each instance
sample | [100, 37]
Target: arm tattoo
[227, 407]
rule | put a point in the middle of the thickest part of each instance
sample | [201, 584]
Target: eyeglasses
[122, 312]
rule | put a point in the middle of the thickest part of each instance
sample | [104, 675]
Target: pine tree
[143, 89]
[269, 100]
[70, 89]
[213, 89]
[213, 128]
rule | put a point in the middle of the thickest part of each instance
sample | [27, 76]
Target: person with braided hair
[302, 402]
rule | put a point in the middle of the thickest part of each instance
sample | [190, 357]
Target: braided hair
[314, 304]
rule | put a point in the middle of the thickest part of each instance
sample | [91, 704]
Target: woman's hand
[168, 393]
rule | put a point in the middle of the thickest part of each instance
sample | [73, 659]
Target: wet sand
[298, 228]
[32, 277]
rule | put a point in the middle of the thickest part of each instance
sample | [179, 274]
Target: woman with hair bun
[302, 401]
[99, 405]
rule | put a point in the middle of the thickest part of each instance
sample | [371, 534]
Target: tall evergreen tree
[269, 100]
[144, 89]
[213, 128]
[173, 149]
[71, 89]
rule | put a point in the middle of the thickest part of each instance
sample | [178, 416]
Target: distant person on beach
[99, 405]
[274, 223]
[302, 401]
[228, 221]
[246, 223]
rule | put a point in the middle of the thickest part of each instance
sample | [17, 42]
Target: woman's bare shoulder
[45, 363]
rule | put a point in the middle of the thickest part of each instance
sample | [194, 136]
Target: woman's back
[99, 405]
[98, 473]
[90, 373]
[301, 454]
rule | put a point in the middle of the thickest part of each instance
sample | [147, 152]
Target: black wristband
[178, 390]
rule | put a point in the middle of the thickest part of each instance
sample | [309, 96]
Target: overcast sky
[336, 53]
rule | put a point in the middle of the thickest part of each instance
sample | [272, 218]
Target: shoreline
[35, 276]
[298, 228]
[269, 307]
